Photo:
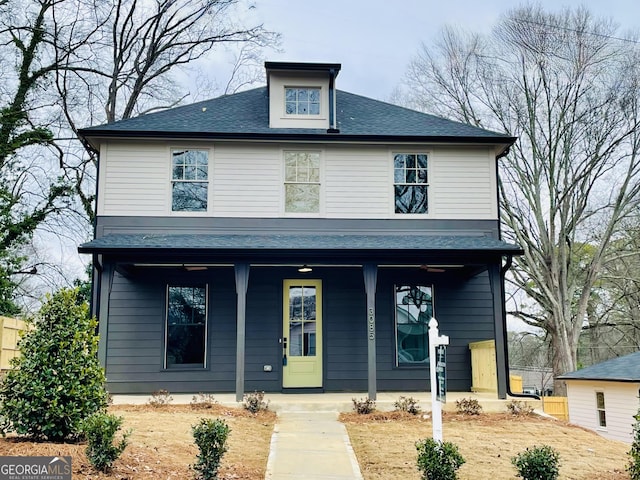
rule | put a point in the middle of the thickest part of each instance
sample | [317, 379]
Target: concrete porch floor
[339, 402]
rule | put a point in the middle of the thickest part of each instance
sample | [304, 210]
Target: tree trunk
[563, 360]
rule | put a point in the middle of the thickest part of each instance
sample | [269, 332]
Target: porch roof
[264, 243]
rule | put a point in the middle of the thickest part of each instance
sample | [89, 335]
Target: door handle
[284, 351]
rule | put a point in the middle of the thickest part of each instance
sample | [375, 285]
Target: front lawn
[384, 445]
[162, 447]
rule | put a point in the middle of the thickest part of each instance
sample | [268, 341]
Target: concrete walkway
[311, 445]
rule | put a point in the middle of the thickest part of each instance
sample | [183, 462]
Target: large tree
[66, 64]
[569, 88]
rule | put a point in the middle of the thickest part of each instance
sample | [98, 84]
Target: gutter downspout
[503, 272]
[332, 100]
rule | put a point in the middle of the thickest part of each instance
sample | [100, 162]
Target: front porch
[342, 401]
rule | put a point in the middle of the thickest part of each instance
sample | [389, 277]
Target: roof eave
[601, 379]
[91, 135]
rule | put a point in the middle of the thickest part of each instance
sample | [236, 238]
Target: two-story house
[295, 238]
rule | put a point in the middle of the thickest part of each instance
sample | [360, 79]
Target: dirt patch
[161, 445]
[385, 445]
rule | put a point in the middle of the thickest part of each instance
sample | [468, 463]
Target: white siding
[134, 179]
[246, 180]
[621, 403]
[357, 183]
[463, 183]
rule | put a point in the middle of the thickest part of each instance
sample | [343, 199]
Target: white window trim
[169, 196]
[598, 410]
[205, 364]
[391, 176]
[283, 196]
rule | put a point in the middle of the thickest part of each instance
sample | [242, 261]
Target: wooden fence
[9, 335]
[556, 406]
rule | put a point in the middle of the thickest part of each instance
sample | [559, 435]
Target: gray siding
[135, 337]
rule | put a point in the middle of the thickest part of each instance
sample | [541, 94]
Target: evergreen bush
[57, 381]
[211, 438]
[100, 430]
[537, 463]
[438, 460]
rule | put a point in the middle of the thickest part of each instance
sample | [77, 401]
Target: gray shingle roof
[262, 242]
[245, 115]
[622, 369]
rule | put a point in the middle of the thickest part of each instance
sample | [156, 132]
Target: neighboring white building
[605, 397]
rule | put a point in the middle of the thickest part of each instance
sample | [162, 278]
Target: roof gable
[245, 115]
[623, 369]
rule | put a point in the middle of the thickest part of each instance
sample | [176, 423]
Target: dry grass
[161, 445]
[385, 445]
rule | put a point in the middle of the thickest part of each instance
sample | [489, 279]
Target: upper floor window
[414, 309]
[410, 183]
[302, 101]
[302, 182]
[189, 180]
[186, 329]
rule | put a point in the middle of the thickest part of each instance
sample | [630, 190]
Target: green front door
[302, 334]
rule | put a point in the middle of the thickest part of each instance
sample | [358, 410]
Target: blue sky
[374, 40]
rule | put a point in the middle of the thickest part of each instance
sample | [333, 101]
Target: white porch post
[242, 282]
[370, 272]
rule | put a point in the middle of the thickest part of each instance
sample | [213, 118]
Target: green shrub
[254, 402]
[211, 438]
[519, 409]
[363, 406]
[57, 380]
[407, 404]
[438, 460]
[468, 406]
[100, 430]
[160, 398]
[537, 463]
[634, 464]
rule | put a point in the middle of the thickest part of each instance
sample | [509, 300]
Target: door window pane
[302, 321]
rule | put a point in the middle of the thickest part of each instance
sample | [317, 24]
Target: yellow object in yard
[516, 383]
[556, 407]
[483, 366]
[10, 329]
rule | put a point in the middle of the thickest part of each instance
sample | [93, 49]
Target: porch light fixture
[305, 269]
[195, 268]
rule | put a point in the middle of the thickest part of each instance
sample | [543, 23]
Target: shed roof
[245, 115]
[621, 369]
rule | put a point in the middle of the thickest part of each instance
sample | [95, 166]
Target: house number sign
[372, 325]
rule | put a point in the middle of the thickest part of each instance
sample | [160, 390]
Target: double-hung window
[602, 415]
[302, 182]
[189, 180]
[414, 309]
[186, 327]
[302, 100]
[410, 183]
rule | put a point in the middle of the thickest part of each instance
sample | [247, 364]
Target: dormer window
[302, 101]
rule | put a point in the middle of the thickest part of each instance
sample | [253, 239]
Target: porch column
[106, 283]
[499, 318]
[370, 272]
[242, 282]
